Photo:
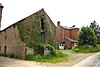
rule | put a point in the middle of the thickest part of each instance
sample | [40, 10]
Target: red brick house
[68, 36]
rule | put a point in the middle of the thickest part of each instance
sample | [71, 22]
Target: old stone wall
[10, 42]
[10, 38]
[51, 27]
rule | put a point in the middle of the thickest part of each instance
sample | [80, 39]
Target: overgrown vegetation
[88, 39]
[33, 35]
[52, 49]
[86, 49]
[59, 57]
[87, 36]
[96, 29]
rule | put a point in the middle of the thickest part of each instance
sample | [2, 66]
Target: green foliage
[39, 49]
[31, 57]
[51, 48]
[11, 55]
[30, 33]
[76, 49]
[96, 29]
[86, 49]
[49, 58]
[87, 36]
[1, 54]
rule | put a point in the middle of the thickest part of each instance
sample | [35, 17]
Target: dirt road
[8, 62]
[91, 61]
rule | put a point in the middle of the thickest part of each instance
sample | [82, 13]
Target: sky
[68, 12]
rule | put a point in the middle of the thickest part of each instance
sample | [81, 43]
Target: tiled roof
[70, 39]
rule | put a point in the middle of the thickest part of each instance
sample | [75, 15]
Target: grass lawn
[59, 57]
[69, 50]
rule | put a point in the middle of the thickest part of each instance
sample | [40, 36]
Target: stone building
[66, 36]
[36, 27]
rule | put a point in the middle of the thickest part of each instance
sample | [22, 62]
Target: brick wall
[62, 32]
[74, 33]
[59, 33]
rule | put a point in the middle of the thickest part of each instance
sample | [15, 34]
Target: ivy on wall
[30, 32]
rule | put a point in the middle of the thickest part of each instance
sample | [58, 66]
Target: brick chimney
[1, 7]
[58, 23]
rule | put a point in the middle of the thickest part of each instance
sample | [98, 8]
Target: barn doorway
[25, 52]
[5, 50]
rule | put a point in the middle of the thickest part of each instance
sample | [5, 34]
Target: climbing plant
[30, 32]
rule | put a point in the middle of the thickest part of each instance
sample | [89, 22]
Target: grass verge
[59, 57]
[86, 49]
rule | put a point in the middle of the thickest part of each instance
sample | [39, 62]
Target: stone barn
[16, 38]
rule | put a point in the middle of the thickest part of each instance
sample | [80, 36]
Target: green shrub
[11, 55]
[76, 50]
[1, 54]
[30, 57]
[51, 48]
[39, 49]
[5, 55]
[86, 49]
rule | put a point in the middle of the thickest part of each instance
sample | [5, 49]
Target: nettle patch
[35, 32]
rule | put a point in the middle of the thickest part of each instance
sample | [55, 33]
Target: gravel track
[91, 61]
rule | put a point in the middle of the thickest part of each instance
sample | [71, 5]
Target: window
[5, 37]
[42, 24]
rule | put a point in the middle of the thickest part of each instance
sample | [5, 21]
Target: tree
[87, 36]
[96, 29]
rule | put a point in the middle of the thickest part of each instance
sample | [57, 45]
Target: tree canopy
[96, 29]
[87, 36]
